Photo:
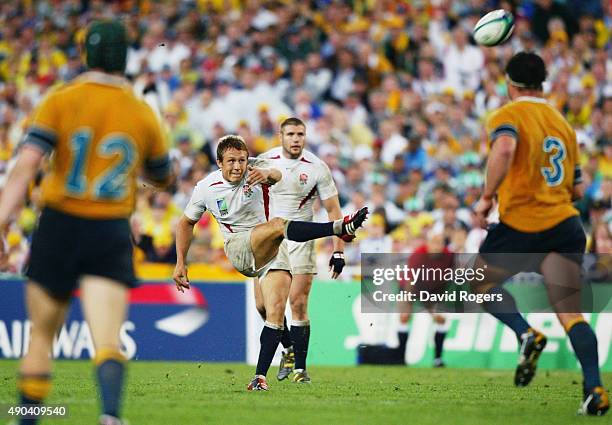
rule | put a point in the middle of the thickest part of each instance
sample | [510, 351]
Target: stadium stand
[394, 95]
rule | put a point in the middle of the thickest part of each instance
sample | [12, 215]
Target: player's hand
[257, 175]
[336, 264]
[180, 277]
[482, 210]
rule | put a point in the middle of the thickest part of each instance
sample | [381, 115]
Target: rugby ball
[494, 28]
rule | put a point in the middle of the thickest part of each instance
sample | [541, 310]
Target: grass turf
[191, 393]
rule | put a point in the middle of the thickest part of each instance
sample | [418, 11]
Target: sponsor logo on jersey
[222, 205]
[303, 179]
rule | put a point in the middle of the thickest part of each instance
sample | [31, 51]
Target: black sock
[110, 380]
[302, 231]
[32, 390]
[506, 311]
[286, 338]
[402, 336]
[300, 334]
[439, 342]
[584, 342]
[23, 399]
[269, 340]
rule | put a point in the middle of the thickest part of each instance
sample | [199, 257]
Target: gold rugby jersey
[101, 136]
[536, 194]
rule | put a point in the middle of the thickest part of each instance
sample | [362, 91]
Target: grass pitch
[190, 393]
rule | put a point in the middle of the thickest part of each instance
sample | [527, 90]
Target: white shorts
[238, 249]
[302, 257]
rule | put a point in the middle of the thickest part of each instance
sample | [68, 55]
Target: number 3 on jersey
[109, 185]
[555, 173]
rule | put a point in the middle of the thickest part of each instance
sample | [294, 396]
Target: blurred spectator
[376, 239]
[379, 202]
[415, 157]
[462, 62]
[544, 11]
[392, 142]
[158, 249]
[604, 144]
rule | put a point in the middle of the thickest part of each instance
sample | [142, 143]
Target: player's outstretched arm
[184, 234]
[263, 175]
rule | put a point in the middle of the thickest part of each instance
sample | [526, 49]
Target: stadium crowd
[394, 94]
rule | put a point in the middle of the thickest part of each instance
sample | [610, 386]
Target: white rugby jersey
[236, 207]
[303, 179]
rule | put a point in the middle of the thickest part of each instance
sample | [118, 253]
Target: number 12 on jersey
[111, 183]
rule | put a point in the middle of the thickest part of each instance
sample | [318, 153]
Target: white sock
[338, 226]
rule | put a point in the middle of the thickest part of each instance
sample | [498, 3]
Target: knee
[299, 307]
[274, 311]
[278, 224]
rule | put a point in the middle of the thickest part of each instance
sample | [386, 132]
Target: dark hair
[106, 46]
[291, 121]
[526, 70]
[231, 141]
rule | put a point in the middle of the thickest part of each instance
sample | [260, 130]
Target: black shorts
[66, 247]
[566, 238]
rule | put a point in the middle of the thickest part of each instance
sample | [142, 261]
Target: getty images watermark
[468, 282]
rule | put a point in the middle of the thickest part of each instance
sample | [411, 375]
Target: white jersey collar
[531, 99]
[282, 154]
[104, 78]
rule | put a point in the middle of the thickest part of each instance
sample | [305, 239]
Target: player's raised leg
[300, 324]
[265, 241]
[47, 314]
[345, 228]
[267, 237]
[105, 303]
[275, 290]
[562, 279]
